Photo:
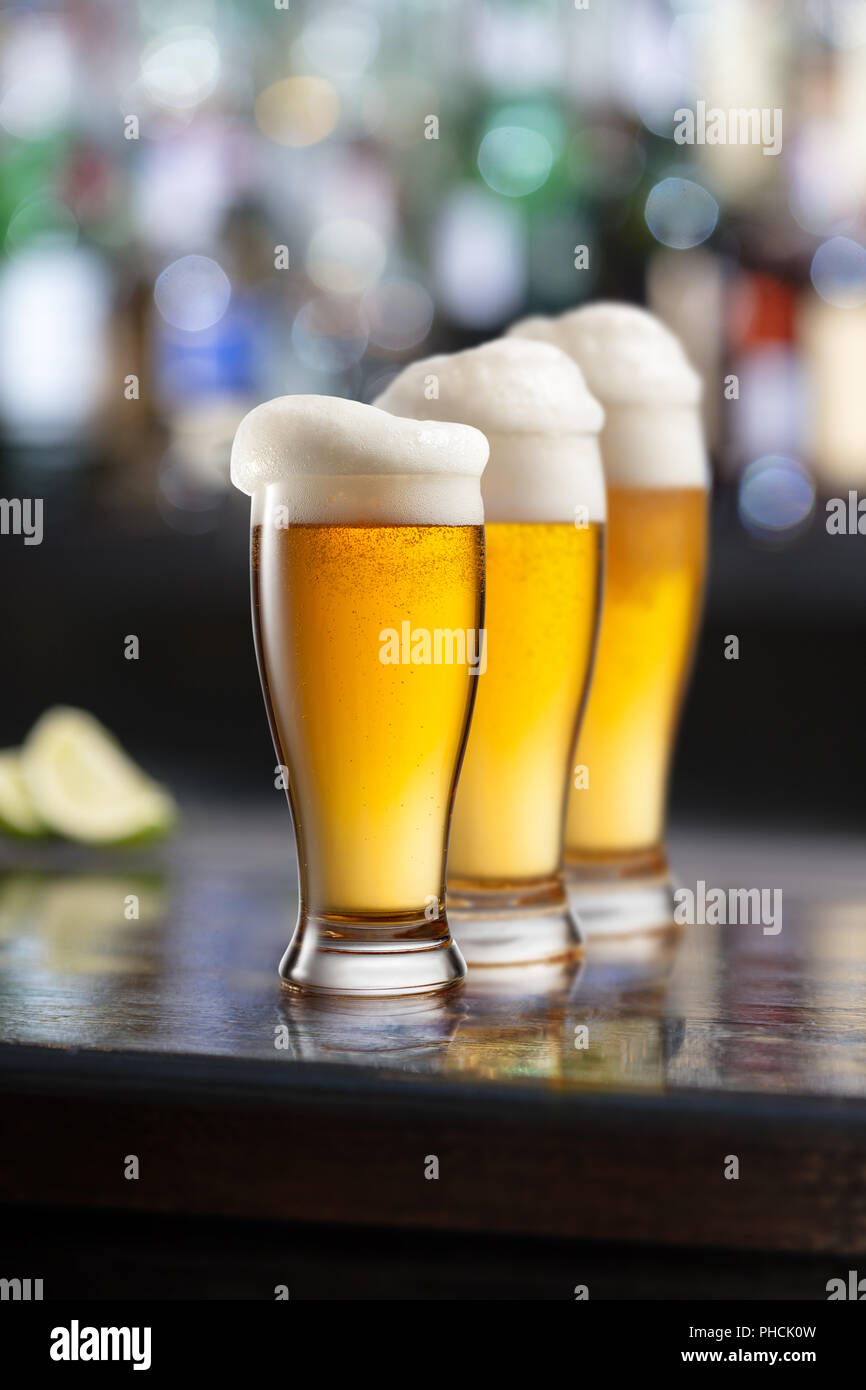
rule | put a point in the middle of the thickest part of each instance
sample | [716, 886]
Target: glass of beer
[544, 511]
[367, 592]
[657, 479]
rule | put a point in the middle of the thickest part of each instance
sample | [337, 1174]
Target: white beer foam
[507, 386]
[326, 459]
[627, 355]
[532, 402]
[636, 366]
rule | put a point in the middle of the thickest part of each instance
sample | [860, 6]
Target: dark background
[143, 533]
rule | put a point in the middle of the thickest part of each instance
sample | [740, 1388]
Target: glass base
[623, 895]
[354, 959]
[513, 926]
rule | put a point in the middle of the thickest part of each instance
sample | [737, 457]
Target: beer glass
[544, 511]
[367, 589]
[657, 478]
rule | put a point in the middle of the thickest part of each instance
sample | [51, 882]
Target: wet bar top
[140, 1013]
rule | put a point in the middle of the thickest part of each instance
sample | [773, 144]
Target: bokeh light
[182, 189]
[520, 40]
[680, 213]
[771, 414]
[192, 293]
[689, 35]
[399, 314]
[341, 43]
[54, 304]
[395, 108]
[839, 272]
[823, 196]
[329, 334]
[161, 14]
[345, 256]
[776, 496]
[181, 68]
[185, 503]
[840, 22]
[514, 160]
[479, 258]
[657, 86]
[41, 218]
[36, 77]
[298, 111]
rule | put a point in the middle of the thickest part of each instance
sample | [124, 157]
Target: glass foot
[507, 927]
[333, 956]
[610, 903]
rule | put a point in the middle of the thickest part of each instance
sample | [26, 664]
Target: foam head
[532, 402]
[334, 460]
[637, 368]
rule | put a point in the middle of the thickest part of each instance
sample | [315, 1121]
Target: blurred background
[206, 203]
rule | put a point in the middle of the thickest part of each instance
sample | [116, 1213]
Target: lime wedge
[84, 786]
[17, 812]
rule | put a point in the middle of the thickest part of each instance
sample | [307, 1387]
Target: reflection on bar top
[718, 1009]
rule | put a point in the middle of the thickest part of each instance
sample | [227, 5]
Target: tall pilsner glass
[368, 590]
[657, 478]
[544, 510]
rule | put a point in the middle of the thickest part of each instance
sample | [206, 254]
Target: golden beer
[372, 749]
[656, 472]
[368, 591]
[654, 579]
[543, 583]
[544, 510]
